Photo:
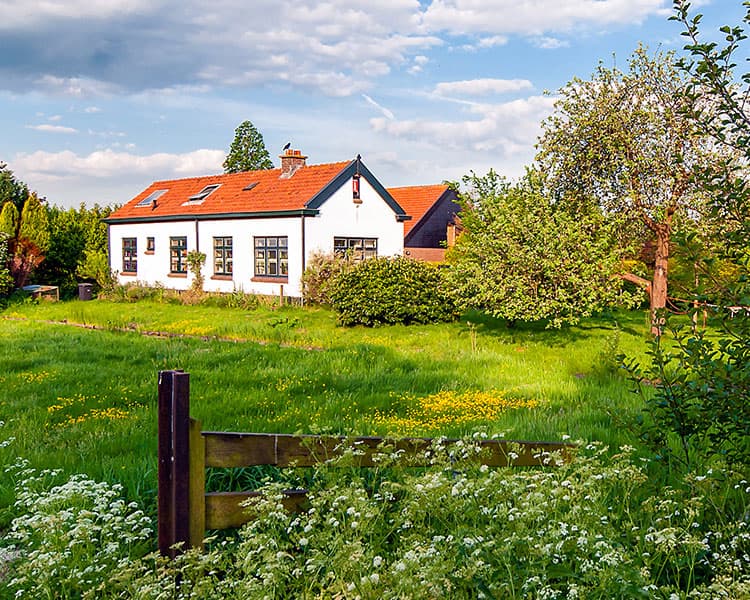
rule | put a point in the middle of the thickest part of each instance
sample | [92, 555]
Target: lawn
[84, 399]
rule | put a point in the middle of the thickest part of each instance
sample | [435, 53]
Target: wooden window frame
[263, 260]
[359, 248]
[178, 255]
[223, 256]
[130, 255]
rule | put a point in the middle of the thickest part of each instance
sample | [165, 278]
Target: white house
[257, 228]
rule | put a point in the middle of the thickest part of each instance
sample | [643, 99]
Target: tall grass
[84, 400]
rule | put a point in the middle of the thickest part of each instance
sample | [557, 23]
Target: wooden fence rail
[185, 510]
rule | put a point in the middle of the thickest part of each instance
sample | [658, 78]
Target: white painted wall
[339, 217]
[155, 267]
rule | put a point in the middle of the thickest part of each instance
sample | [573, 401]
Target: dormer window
[204, 193]
[152, 198]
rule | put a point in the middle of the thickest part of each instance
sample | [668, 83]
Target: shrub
[700, 407]
[391, 290]
[319, 274]
[195, 262]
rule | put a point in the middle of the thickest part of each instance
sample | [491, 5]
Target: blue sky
[98, 98]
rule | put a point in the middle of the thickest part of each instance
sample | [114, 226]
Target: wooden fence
[186, 511]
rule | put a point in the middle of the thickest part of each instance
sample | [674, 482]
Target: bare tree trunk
[659, 283]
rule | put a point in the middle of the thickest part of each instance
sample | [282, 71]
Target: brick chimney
[291, 160]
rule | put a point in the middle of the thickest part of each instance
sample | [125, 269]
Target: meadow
[78, 452]
[84, 399]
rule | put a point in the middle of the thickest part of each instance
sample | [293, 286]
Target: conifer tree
[248, 151]
[35, 223]
[9, 220]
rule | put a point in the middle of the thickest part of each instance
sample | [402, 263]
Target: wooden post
[174, 460]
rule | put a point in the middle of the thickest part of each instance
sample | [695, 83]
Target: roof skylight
[152, 197]
[204, 193]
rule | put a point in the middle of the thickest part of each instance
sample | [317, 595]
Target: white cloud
[21, 13]
[507, 128]
[77, 87]
[102, 164]
[54, 118]
[486, 42]
[419, 62]
[482, 87]
[492, 41]
[386, 113]
[533, 17]
[550, 43]
[52, 128]
[139, 45]
[107, 134]
[92, 110]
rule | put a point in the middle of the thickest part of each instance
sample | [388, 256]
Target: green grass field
[84, 399]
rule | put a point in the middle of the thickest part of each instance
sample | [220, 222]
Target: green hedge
[391, 290]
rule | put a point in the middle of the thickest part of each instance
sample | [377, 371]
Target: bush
[700, 407]
[391, 290]
[319, 274]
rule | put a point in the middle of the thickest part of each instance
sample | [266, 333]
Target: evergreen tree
[9, 220]
[248, 151]
[35, 223]
[11, 189]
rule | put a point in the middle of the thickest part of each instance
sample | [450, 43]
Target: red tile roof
[269, 195]
[416, 201]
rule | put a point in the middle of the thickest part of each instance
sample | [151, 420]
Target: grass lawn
[84, 400]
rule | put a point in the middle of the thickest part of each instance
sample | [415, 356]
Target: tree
[699, 386]
[522, 257]
[33, 240]
[724, 116]
[12, 190]
[626, 142]
[248, 151]
[9, 218]
[94, 262]
[35, 223]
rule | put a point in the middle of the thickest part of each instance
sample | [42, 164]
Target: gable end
[347, 173]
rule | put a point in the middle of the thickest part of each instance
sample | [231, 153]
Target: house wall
[341, 217]
[154, 268]
[338, 216]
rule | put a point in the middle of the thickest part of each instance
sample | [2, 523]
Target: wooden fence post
[174, 460]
